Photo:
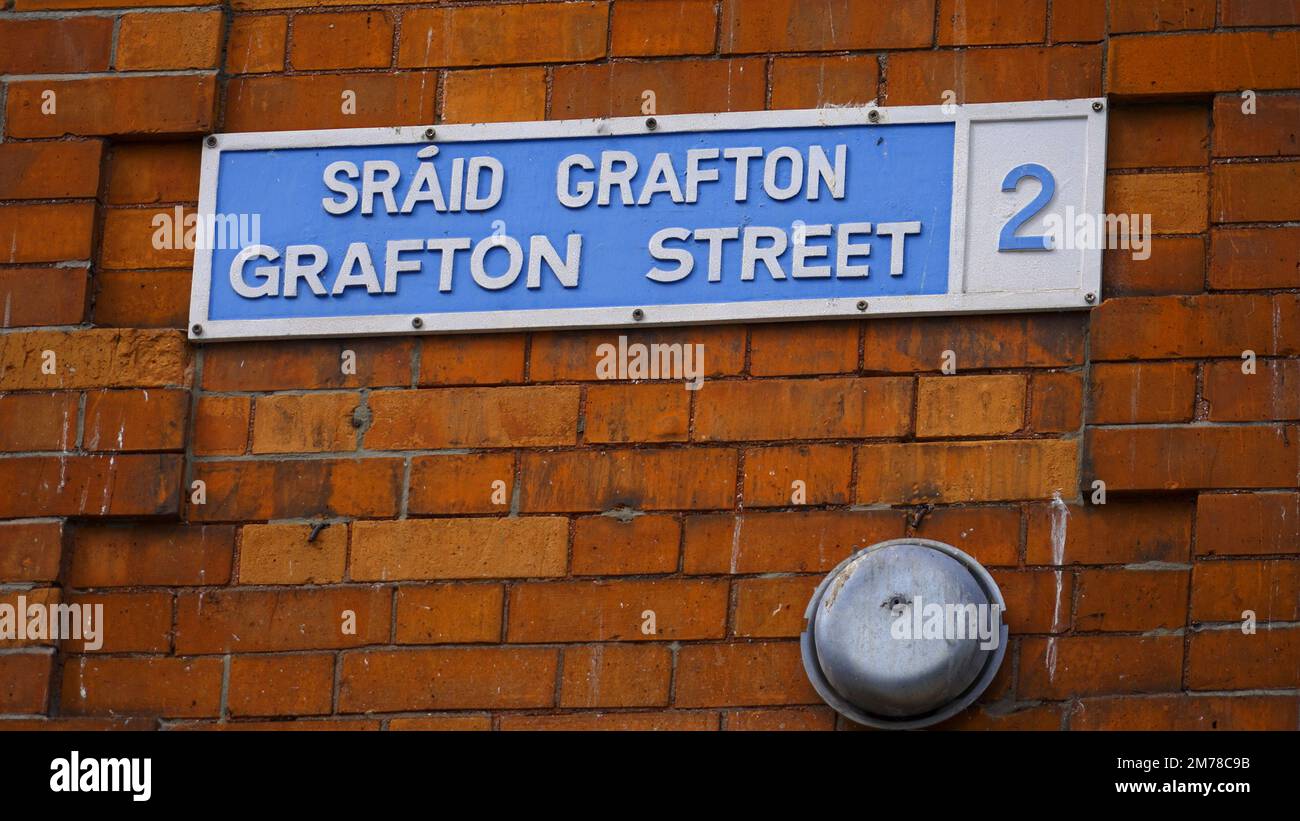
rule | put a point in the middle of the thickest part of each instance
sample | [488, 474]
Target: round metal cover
[892, 640]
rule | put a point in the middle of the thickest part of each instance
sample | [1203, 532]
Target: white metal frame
[956, 301]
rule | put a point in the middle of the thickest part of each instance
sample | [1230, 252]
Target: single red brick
[298, 488]
[130, 622]
[1260, 13]
[462, 483]
[970, 405]
[1036, 603]
[823, 472]
[113, 106]
[989, 471]
[255, 45]
[1158, 135]
[254, 621]
[1123, 393]
[135, 420]
[67, 45]
[1176, 201]
[46, 232]
[661, 28]
[1224, 591]
[1197, 326]
[473, 417]
[362, 39]
[138, 238]
[307, 365]
[290, 685]
[503, 34]
[990, 534]
[665, 479]
[1056, 402]
[25, 683]
[577, 355]
[38, 421]
[679, 86]
[1173, 265]
[794, 718]
[462, 548]
[493, 95]
[786, 349]
[611, 546]
[1254, 258]
[814, 82]
[741, 675]
[461, 678]
[1268, 128]
[1078, 22]
[43, 296]
[1160, 15]
[772, 607]
[751, 26]
[471, 359]
[142, 299]
[1272, 392]
[150, 42]
[1126, 599]
[1231, 660]
[1197, 63]
[292, 554]
[840, 408]
[990, 75]
[1195, 457]
[615, 675]
[1184, 712]
[907, 345]
[152, 685]
[305, 423]
[449, 613]
[221, 425]
[449, 721]
[151, 172]
[119, 485]
[151, 555]
[1244, 524]
[30, 551]
[991, 22]
[1256, 192]
[304, 101]
[647, 412]
[49, 170]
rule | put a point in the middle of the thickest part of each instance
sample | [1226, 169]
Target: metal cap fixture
[904, 634]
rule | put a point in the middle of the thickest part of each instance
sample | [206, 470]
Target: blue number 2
[1007, 240]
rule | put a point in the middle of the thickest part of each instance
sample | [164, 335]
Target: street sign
[780, 215]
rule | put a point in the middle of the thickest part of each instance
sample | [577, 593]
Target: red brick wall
[528, 614]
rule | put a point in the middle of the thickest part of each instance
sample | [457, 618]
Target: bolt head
[862, 304]
[638, 314]
[1089, 298]
[417, 323]
[651, 123]
[429, 133]
[873, 115]
[1097, 106]
[211, 142]
[196, 329]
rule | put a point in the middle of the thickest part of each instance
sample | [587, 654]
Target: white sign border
[202, 329]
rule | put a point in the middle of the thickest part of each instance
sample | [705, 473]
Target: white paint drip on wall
[1060, 516]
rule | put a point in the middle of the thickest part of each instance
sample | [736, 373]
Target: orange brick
[970, 405]
[1254, 258]
[221, 425]
[1175, 265]
[493, 95]
[362, 39]
[660, 28]
[136, 238]
[113, 106]
[525, 547]
[131, 622]
[795, 718]
[772, 607]
[151, 555]
[683, 609]
[298, 488]
[44, 296]
[449, 613]
[38, 421]
[30, 551]
[668, 721]
[120, 485]
[55, 46]
[1033, 604]
[1195, 457]
[580, 481]
[254, 621]
[796, 542]
[610, 546]
[995, 74]
[1256, 192]
[462, 483]
[41, 598]
[750, 26]
[637, 413]
[1181, 712]
[306, 365]
[149, 42]
[1175, 201]
[1196, 63]
[473, 417]
[144, 173]
[789, 348]
[1125, 599]
[574, 355]
[1243, 524]
[1123, 393]
[803, 409]
[25, 683]
[771, 473]
[1056, 402]
[1078, 22]
[307, 101]
[679, 86]
[451, 721]
[135, 420]
[1196, 326]
[1260, 13]
[1271, 393]
[305, 423]
[1160, 15]
[142, 299]
[966, 471]
[297, 685]
[813, 82]
[1224, 591]
[255, 45]
[1153, 136]
[46, 233]
[49, 170]
[990, 534]
[1269, 130]
[465, 678]
[990, 22]
[1230, 660]
[741, 675]
[179, 687]
[1097, 665]
[615, 675]
[503, 34]
[977, 342]
[289, 554]
[465, 359]
[1114, 533]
